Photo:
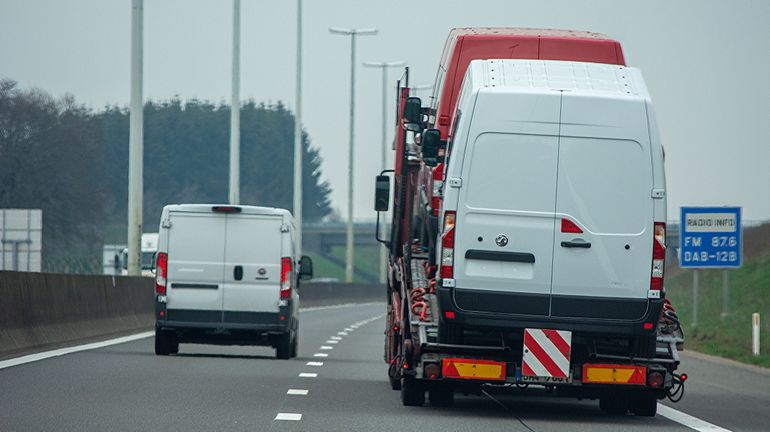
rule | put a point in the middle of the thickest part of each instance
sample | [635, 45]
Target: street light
[384, 67]
[235, 109]
[136, 142]
[298, 136]
[349, 237]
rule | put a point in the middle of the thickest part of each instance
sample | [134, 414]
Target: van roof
[525, 31]
[247, 209]
[548, 75]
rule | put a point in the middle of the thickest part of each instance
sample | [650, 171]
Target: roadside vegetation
[728, 336]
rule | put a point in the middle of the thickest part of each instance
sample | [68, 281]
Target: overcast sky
[706, 64]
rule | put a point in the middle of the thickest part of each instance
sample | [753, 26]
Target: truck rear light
[473, 369]
[449, 315]
[614, 374]
[447, 246]
[655, 379]
[658, 256]
[567, 226]
[432, 371]
[286, 277]
[161, 272]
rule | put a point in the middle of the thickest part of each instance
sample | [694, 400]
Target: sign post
[710, 237]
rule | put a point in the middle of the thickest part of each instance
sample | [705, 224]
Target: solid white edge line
[298, 392]
[688, 420]
[337, 306]
[69, 350]
[307, 375]
[289, 416]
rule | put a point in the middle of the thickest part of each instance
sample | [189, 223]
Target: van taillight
[437, 177]
[161, 271]
[226, 209]
[286, 277]
[447, 246]
[658, 256]
[567, 226]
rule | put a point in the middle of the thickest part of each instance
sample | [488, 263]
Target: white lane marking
[298, 392]
[315, 363]
[289, 416]
[325, 347]
[332, 341]
[688, 420]
[308, 375]
[320, 355]
[62, 351]
[347, 329]
[337, 306]
[336, 338]
[342, 333]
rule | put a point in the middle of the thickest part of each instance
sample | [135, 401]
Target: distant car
[227, 275]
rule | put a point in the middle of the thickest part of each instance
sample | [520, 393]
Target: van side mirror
[382, 193]
[413, 113]
[305, 268]
[431, 141]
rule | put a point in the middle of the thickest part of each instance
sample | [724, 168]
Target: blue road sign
[710, 237]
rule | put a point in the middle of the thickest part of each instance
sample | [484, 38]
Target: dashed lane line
[289, 416]
[314, 363]
[320, 355]
[326, 347]
[298, 392]
[308, 375]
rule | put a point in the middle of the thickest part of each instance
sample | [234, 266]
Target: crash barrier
[39, 311]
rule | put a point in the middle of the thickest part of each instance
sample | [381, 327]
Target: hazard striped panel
[546, 353]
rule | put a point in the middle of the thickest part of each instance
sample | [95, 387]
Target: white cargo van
[227, 275]
[554, 202]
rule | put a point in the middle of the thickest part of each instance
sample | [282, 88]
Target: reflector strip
[473, 369]
[614, 374]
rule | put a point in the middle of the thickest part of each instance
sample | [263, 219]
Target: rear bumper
[578, 314]
[257, 322]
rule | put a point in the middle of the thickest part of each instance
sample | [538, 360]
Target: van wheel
[295, 342]
[165, 342]
[283, 347]
[412, 392]
[644, 405]
[614, 404]
[441, 395]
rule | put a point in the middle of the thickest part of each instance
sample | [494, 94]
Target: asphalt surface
[214, 388]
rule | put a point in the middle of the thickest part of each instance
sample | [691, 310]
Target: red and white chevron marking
[546, 353]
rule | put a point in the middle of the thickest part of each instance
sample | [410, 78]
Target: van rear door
[252, 266]
[505, 213]
[605, 182]
[196, 245]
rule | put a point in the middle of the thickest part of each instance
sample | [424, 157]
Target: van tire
[283, 346]
[614, 404]
[165, 342]
[644, 405]
[441, 395]
[412, 391]
[295, 342]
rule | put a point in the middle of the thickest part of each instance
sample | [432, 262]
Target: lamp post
[384, 163]
[235, 109]
[349, 237]
[135, 142]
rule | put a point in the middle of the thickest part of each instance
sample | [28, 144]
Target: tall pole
[235, 108]
[349, 236]
[136, 143]
[298, 135]
[384, 148]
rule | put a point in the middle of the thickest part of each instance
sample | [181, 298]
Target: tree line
[72, 162]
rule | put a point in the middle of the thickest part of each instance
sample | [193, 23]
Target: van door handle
[576, 244]
[238, 273]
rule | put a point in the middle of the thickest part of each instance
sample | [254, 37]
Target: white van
[227, 275]
[554, 202]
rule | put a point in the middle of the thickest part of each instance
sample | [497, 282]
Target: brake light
[161, 271]
[286, 277]
[447, 246]
[658, 256]
[226, 209]
[437, 177]
[567, 226]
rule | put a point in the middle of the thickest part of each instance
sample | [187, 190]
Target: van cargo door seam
[555, 203]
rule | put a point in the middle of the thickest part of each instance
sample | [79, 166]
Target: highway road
[337, 383]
